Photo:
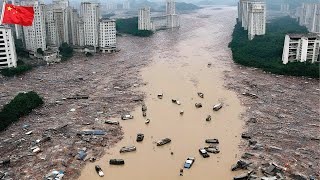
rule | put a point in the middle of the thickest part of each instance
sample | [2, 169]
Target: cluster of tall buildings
[309, 16]
[252, 16]
[171, 19]
[59, 23]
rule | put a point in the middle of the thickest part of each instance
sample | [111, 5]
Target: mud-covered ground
[284, 120]
[110, 81]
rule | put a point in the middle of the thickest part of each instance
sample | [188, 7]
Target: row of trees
[265, 52]
[20, 106]
[130, 26]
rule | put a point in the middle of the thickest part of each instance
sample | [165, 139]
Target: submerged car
[116, 161]
[163, 141]
[204, 153]
[112, 122]
[198, 105]
[212, 149]
[189, 162]
[128, 149]
[217, 107]
[126, 117]
[140, 137]
[212, 141]
[99, 171]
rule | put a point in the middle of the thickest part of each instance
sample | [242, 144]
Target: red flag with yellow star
[22, 15]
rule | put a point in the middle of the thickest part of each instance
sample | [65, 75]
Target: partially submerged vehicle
[204, 153]
[116, 162]
[212, 141]
[99, 171]
[208, 118]
[126, 117]
[144, 108]
[140, 137]
[189, 162]
[198, 105]
[147, 121]
[144, 114]
[212, 149]
[128, 149]
[160, 96]
[200, 94]
[176, 101]
[163, 141]
[112, 122]
[217, 107]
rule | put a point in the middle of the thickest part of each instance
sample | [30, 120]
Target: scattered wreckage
[163, 141]
[128, 149]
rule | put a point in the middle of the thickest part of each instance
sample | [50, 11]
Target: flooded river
[179, 70]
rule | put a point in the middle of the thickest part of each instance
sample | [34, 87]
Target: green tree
[40, 51]
[130, 26]
[66, 51]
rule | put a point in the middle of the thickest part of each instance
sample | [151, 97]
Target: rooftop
[310, 35]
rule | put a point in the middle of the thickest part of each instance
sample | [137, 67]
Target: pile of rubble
[282, 121]
[69, 129]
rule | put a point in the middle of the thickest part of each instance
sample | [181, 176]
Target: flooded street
[179, 70]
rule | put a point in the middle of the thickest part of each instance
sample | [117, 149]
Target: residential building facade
[301, 48]
[8, 56]
[90, 13]
[144, 19]
[310, 16]
[107, 35]
[256, 19]
[172, 17]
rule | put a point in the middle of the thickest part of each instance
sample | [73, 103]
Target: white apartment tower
[172, 17]
[301, 48]
[90, 13]
[107, 35]
[144, 19]
[8, 56]
[126, 5]
[284, 7]
[51, 27]
[80, 32]
[243, 7]
[310, 16]
[256, 19]
[74, 26]
[35, 35]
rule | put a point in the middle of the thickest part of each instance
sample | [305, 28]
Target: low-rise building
[8, 56]
[107, 35]
[51, 55]
[301, 48]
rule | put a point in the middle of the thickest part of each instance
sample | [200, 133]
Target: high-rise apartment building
[144, 19]
[310, 16]
[252, 16]
[256, 19]
[35, 35]
[126, 5]
[8, 56]
[301, 48]
[172, 17]
[90, 13]
[284, 7]
[107, 35]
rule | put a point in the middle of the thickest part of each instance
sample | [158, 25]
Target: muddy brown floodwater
[179, 70]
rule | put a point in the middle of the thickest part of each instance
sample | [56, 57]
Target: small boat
[147, 121]
[140, 137]
[128, 149]
[99, 171]
[163, 141]
[116, 162]
[217, 107]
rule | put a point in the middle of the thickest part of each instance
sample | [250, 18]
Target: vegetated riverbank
[130, 26]
[265, 51]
